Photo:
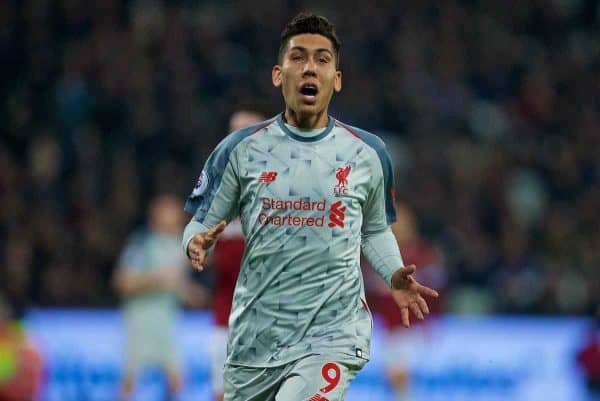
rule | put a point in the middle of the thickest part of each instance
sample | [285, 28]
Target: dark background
[490, 110]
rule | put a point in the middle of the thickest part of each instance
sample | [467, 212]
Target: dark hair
[310, 23]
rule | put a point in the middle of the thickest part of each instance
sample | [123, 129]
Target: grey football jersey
[304, 204]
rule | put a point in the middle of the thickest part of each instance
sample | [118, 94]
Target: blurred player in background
[225, 265]
[150, 278]
[20, 362]
[311, 192]
[403, 345]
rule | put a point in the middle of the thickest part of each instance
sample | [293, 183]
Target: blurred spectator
[151, 278]
[496, 103]
[20, 362]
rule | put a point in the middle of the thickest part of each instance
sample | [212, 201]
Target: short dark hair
[310, 23]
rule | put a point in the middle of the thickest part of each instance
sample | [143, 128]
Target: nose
[310, 68]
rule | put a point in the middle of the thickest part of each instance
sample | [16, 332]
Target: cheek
[287, 88]
[330, 83]
[287, 85]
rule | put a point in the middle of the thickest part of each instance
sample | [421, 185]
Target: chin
[308, 108]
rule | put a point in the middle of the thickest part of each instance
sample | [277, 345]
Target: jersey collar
[317, 137]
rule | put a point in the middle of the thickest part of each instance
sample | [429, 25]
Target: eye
[323, 60]
[296, 57]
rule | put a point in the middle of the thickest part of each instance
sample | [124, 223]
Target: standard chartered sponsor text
[289, 219]
[298, 204]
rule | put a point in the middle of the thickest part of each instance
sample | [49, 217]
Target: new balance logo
[318, 397]
[337, 215]
[268, 176]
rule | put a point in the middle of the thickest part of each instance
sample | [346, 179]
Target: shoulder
[367, 137]
[236, 137]
[222, 153]
[370, 139]
[138, 238]
[133, 252]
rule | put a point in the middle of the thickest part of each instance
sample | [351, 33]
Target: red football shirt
[227, 258]
[430, 272]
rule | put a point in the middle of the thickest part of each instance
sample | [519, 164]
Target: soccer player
[226, 261]
[151, 279]
[311, 191]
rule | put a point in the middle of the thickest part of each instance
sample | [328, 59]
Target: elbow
[367, 236]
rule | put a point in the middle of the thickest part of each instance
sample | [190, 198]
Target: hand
[408, 294]
[201, 242]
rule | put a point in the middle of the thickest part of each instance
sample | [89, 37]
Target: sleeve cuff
[193, 227]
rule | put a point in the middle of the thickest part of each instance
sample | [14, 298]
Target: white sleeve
[192, 228]
[378, 242]
[382, 252]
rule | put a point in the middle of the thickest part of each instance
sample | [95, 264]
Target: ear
[276, 75]
[337, 84]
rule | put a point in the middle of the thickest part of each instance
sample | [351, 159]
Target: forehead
[310, 41]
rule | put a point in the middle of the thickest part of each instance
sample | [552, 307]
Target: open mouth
[309, 91]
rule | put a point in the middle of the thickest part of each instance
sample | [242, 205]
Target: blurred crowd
[491, 111]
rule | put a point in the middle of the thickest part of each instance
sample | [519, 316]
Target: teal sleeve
[217, 182]
[384, 162]
[216, 195]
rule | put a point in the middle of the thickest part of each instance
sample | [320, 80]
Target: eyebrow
[304, 49]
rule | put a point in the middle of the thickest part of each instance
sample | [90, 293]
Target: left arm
[378, 242]
[381, 248]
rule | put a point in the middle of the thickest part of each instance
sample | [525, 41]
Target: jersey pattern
[304, 204]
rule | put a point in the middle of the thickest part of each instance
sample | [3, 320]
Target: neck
[306, 120]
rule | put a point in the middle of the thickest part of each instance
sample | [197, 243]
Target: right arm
[213, 202]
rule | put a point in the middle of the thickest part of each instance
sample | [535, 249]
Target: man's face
[307, 74]
[244, 118]
[166, 216]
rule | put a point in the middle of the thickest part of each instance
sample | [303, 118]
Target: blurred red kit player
[403, 344]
